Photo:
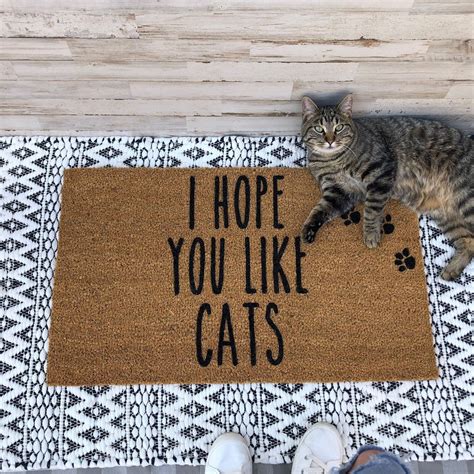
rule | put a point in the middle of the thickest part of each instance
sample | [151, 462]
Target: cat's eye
[319, 129]
[339, 127]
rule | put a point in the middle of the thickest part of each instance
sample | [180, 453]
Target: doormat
[130, 425]
[200, 276]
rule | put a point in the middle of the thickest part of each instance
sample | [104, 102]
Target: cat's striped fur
[425, 164]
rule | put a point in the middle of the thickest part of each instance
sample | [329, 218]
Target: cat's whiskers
[348, 148]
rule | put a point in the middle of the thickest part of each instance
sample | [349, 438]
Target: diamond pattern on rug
[70, 427]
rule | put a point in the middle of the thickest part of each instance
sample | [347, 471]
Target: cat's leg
[375, 200]
[334, 202]
[379, 179]
[462, 258]
[462, 237]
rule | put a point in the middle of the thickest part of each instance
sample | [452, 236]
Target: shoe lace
[317, 466]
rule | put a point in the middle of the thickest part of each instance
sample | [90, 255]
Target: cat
[424, 164]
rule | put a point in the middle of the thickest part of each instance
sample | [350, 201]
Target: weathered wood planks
[206, 66]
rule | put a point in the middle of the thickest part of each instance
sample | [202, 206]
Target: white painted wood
[31, 90]
[330, 51]
[464, 90]
[174, 50]
[414, 71]
[429, 107]
[303, 25]
[97, 125]
[447, 6]
[179, 50]
[14, 49]
[80, 71]
[207, 66]
[68, 25]
[373, 89]
[186, 71]
[6, 71]
[278, 125]
[134, 5]
[218, 108]
[457, 51]
[211, 90]
[231, 50]
[364, 50]
[261, 72]
[167, 107]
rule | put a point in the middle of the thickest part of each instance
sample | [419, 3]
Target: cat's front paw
[314, 222]
[451, 271]
[449, 274]
[309, 233]
[372, 239]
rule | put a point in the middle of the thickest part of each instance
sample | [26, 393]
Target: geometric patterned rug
[72, 427]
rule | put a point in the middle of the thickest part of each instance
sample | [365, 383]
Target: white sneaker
[319, 450]
[229, 454]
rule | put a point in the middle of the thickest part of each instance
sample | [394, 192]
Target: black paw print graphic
[387, 225]
[351, 217]
[404, 261]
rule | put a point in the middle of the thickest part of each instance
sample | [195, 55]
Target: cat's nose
[330, 139]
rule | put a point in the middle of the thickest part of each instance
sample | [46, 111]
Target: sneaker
[319, 450]
[229, 454]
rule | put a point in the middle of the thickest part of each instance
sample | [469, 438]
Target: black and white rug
[43, 427]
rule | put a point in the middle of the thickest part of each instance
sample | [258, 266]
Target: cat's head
[327, 131]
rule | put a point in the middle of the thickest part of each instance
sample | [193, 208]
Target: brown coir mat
[199, 276]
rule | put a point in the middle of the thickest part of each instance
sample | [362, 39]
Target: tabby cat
[424, 164]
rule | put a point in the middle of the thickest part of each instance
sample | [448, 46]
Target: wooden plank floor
[194, 67]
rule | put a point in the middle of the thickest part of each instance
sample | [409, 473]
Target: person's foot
[229, 454]
[319, 450]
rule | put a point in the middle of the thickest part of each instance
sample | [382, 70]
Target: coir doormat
[200, 276]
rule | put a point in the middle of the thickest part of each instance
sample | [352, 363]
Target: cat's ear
[345, 106]
[309, 107]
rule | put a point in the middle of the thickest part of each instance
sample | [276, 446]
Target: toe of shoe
[229, 453]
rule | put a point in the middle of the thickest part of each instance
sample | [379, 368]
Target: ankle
[364, 458]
